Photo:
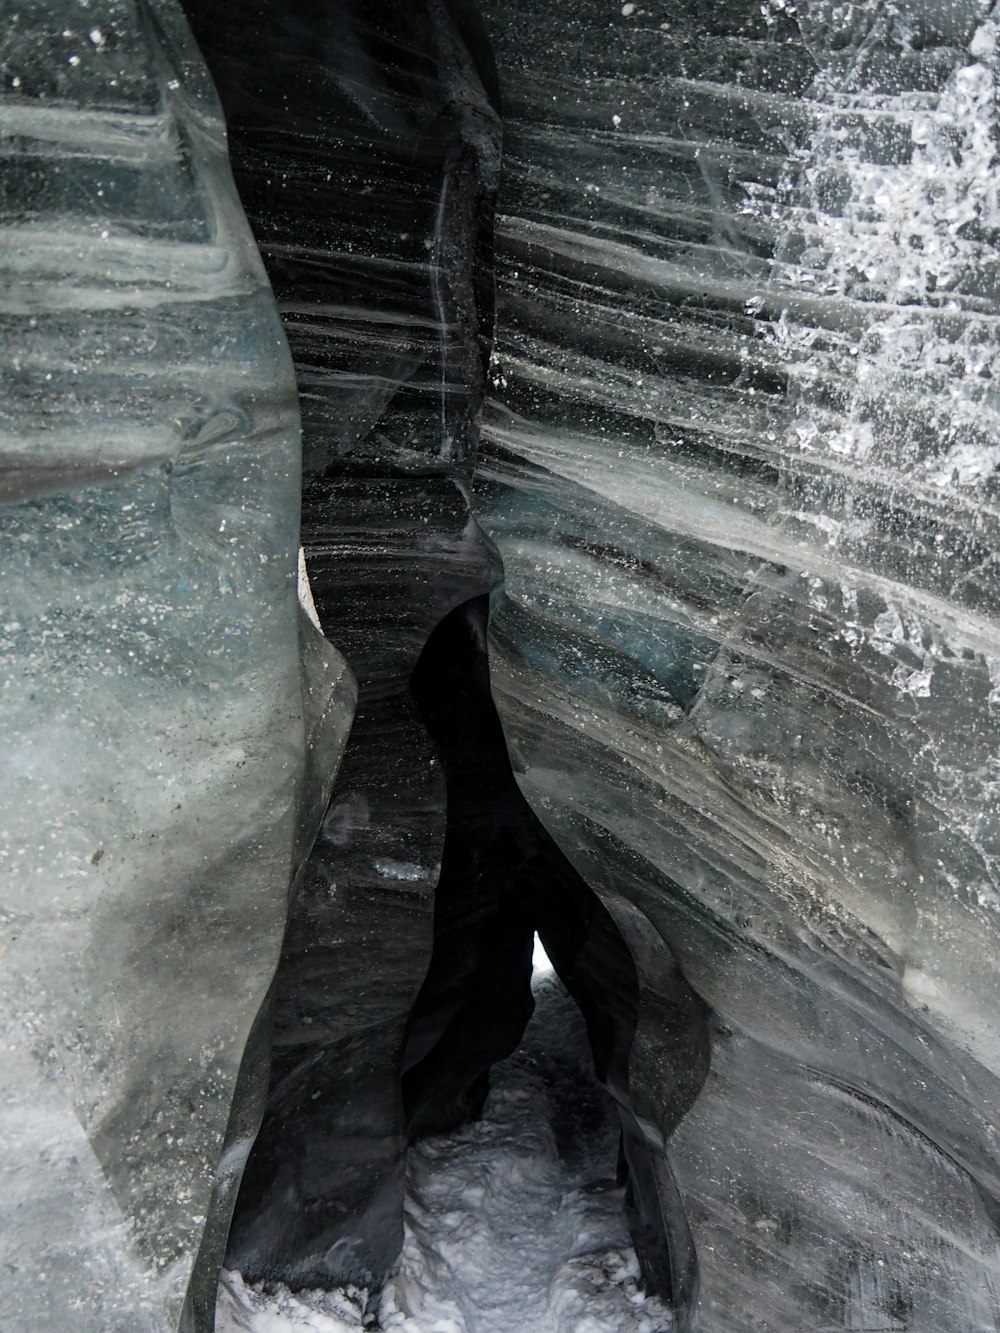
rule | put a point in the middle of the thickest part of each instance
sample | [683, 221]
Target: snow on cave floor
[513, 1224]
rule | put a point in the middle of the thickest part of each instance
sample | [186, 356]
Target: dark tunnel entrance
[386, 1025]
[503, 879]
[322, 1200]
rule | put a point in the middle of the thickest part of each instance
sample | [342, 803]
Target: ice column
[168, 725]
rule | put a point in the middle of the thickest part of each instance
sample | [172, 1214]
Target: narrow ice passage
[514, 1223]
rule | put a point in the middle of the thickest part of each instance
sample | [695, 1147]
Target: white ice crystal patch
[887, 631]
[917, 683]
[993, 666]
[892, 244]
[966, 465]
[408, 871]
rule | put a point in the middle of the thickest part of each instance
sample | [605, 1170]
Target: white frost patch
[513, 1224]
[305, 592]
[409, 871]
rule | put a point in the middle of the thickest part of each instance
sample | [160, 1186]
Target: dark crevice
[503, 879]
[324, 1182]
[365, 143]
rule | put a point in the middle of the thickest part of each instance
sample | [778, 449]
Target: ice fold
[740, 468]
[165, 739]
[365, 144]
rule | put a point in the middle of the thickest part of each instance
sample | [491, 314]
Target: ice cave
[500, 666]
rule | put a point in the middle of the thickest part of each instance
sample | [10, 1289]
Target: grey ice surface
[740, 465]
[364, 146]
[169, 720]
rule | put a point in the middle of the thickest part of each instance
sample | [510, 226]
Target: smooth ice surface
[169, 720]
[513, 1224]
[740, 467]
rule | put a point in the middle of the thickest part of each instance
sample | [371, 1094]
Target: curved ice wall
[365, 146]
[740, 468]
[740, 465]
[169, 721]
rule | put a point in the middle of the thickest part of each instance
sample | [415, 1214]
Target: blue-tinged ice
[169, 720]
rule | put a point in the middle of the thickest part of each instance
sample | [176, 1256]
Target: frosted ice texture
[158, 686]
[741, 470]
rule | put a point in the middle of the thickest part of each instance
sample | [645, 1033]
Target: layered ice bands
[740, 465]
[169, 722]
[365, 145]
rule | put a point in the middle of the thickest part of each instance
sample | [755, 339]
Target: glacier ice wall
[364, 141]
[740, 466]
[169, 721]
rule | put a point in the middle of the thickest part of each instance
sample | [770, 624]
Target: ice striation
[365, 145]
[170, 721]
[737, 479]
[740, 467]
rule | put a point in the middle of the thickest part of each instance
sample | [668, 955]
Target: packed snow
[513, 1224]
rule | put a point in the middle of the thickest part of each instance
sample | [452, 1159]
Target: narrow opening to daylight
[540, 965]
[526, 1185]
